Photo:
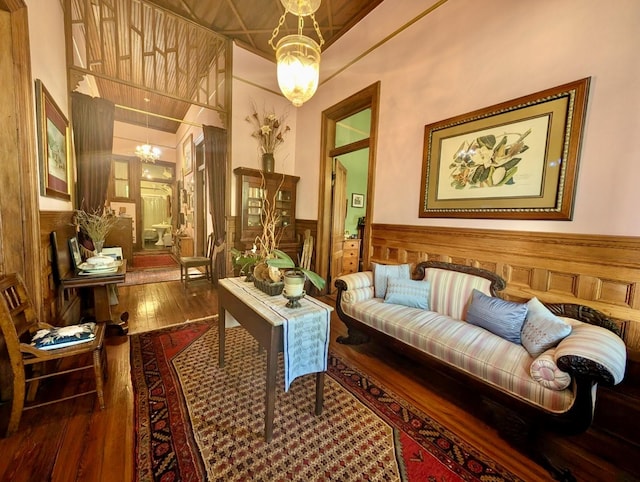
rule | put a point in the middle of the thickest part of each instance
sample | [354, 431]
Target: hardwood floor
[76, 441]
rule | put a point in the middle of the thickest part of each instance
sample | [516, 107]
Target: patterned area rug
[197, 422]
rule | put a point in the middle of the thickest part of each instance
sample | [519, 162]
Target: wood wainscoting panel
[615, 291]
[520, 275]
[60, 306]
[595, 270]
[231, 242]
[563, 283]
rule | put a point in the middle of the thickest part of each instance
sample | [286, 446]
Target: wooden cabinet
[184, 246]
[252, 193]
[351, 256]
[122, 235]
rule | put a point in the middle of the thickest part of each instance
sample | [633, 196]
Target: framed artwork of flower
[514, 160]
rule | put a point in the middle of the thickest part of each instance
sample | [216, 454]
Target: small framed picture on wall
[357, 200]
[187, 155]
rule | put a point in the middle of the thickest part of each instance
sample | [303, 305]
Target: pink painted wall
[46, 21]
[254, 83]
[467, 55]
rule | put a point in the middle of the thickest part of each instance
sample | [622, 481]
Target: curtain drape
[93, 141]
[215, 155]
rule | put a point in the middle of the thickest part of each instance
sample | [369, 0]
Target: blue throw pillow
[500, 317]
[383, 271]
[542, 329]
[408, 292]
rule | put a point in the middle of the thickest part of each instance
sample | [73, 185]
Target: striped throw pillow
[501, 317]
[451, 291]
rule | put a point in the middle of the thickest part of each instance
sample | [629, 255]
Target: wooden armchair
[18, 323]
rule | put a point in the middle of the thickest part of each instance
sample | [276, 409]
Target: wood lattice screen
[135, 50]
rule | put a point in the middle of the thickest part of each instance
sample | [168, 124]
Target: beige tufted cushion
[362, 279]
[545, 371]
[357, 295]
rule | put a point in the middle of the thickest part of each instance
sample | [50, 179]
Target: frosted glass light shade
[298, 59]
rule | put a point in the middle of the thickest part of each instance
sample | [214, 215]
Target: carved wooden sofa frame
[516, 420]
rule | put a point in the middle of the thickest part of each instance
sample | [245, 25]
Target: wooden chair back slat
[18, 305]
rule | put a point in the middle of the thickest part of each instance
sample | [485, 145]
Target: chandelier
[298, 56]
[146, 152]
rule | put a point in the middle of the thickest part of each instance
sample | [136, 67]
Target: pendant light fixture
[298, 56]
[146, 152]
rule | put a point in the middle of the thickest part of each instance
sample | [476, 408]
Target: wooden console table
[100, 284]
[264, 317]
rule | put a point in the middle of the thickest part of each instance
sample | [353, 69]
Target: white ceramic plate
[97, 269]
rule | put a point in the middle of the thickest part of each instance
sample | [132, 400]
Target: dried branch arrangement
[97, 224]
[268, 241]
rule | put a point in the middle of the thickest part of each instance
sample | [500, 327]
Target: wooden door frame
[30, 262]
[366, 98]
[200, 193]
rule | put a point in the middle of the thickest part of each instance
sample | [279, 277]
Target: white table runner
[305, 329]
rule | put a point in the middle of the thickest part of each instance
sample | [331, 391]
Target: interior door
[339, 207]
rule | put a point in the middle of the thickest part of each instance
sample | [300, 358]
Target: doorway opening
[156, 206]
[348, 138]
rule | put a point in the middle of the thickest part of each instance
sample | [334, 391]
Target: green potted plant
[295, 276]
[245, 262]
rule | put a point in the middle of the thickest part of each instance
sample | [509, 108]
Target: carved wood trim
[599, 271]
[367, 97]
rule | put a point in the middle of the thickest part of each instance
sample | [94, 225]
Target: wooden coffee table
[257, 313]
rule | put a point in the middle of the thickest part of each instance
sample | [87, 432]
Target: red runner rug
[195, 421]
[159, 260]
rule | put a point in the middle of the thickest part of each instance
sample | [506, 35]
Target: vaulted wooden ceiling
[250, 23]
[165, 61]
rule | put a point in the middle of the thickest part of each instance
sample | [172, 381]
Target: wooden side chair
[18, 324]
[206, 262]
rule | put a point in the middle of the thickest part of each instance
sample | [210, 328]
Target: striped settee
[496, 370]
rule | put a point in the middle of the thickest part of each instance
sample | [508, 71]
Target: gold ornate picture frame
[514, 160]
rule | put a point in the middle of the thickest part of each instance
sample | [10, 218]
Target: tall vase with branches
[96, 225]
[269, 130]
